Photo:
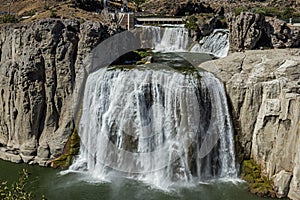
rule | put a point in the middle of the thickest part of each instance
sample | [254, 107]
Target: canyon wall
[40, 64]
[41, 71]
[255, 31]
[264, 91]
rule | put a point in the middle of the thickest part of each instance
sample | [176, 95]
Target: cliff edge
[263, 88]
[40, 63]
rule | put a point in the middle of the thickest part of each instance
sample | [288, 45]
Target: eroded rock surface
[40, 64]
[264, 90]
[254, 31]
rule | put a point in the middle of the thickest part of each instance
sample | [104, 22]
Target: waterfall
[216, 43]
[157, 123]
[105, 3]
[167, 39]
[173, 39]
[176, 39]
[159, 126]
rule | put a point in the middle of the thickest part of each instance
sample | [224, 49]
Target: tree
[16, 190]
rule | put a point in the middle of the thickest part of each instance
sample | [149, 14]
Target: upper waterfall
[176, 39]
[173, 39]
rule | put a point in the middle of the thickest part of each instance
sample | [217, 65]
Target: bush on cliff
[281, 13]
[8, 18]
[191, 23]
[258, 184]
[71, 149]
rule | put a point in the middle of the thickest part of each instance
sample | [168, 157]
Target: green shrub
[258, 184]
[285, 13]
[191, 22]
[8, 18]
[142, 53]
[239, 10]
[71, 149]
[53, 14]
[267, 11]
[29, 13]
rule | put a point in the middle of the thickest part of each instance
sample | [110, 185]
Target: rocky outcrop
[254, 31]
[189, 8]
[176, 7]
[264, 90]
[40, 65]
[201, 26]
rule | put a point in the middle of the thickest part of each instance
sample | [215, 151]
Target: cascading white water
[159, 126]
[156, 123]
[173, 39]
[176, 39]
[216, 43]
[167, 39]
[105, 2]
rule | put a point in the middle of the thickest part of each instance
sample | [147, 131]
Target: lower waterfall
[157, 124]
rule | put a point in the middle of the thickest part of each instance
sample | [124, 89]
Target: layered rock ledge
[263, 88]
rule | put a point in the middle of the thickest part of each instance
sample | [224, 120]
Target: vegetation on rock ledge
[71, 149]
[8, 18]
[258, 184]
[281, 13]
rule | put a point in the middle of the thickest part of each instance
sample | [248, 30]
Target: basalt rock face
[176, 7]
[254, 31]
[205, 27]
[189, 8]
[264, 90]
[39, 67]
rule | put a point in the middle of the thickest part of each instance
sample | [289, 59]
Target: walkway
[158, 20]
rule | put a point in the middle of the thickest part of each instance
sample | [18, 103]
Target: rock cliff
[39, 66]
[264, 91]
[254, 31]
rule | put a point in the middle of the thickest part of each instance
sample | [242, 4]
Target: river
[56, 185]
[73, 186]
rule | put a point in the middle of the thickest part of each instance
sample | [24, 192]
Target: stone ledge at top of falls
[40, 68]
[263, 88]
